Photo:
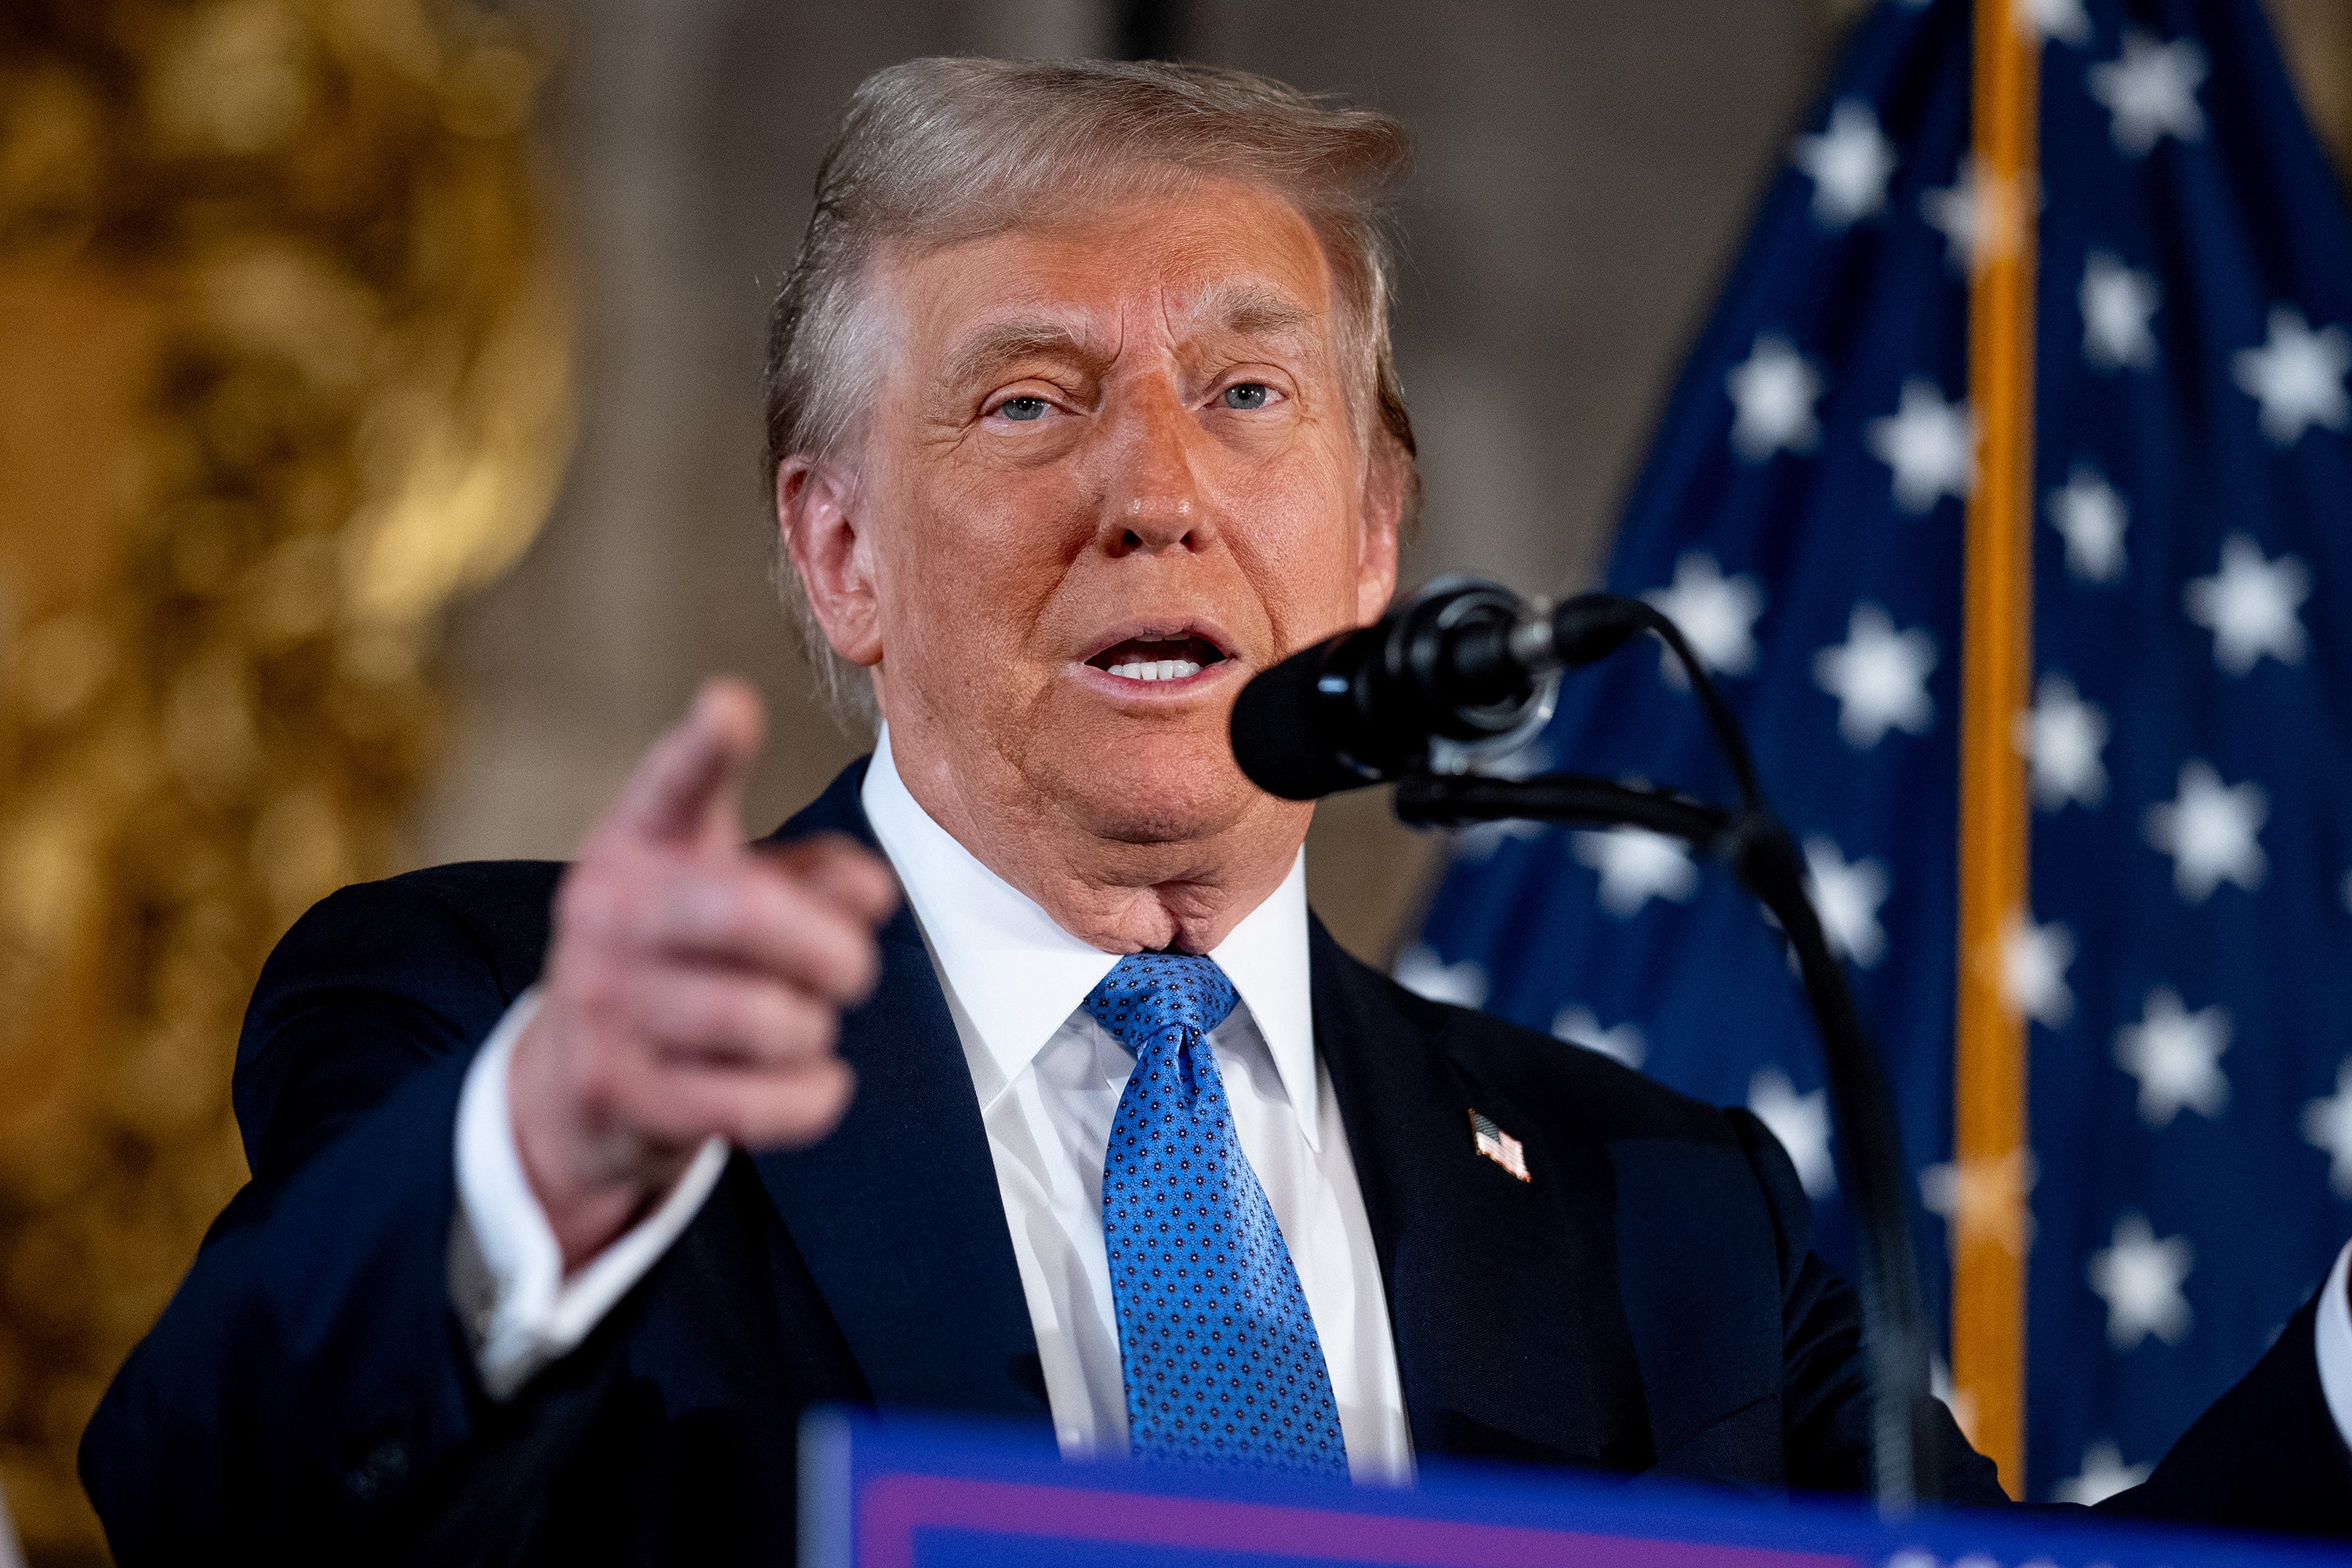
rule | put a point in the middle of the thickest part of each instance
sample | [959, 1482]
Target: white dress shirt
[1048, 1078]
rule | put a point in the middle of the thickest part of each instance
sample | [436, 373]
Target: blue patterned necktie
[1220, 1353]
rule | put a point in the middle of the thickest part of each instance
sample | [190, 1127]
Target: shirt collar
[1017, 976]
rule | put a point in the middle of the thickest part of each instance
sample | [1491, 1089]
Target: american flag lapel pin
[1499, 1146]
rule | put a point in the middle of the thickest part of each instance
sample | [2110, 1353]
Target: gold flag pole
[1991, 1155]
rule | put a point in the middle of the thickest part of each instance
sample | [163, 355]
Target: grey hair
[935, 151]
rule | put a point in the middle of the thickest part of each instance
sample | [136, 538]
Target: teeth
[1156, 669]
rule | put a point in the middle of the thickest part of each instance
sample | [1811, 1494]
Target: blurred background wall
[1586, 170]
[283, 363]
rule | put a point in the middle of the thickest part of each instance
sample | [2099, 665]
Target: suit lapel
[1490, 1293]
[1485, 1290]
[898, 1214]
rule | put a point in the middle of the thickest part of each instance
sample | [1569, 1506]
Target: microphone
[1464, 670]
[1467, 670]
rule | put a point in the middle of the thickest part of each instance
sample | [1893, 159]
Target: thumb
[694, 775]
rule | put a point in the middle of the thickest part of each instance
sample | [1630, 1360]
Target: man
[572, 1188]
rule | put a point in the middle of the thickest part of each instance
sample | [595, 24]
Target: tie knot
[1160, 996]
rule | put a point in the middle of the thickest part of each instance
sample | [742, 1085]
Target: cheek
[1298, 531]
[976, 561]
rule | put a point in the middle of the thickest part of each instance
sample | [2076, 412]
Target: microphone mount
[1467, 672]
[1463, 673]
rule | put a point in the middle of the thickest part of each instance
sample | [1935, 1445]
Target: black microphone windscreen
[1275, 734]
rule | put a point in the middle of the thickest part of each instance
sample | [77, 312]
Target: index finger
[696, 772]
[839, 870]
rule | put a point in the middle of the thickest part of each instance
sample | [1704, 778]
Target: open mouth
[1159, 658]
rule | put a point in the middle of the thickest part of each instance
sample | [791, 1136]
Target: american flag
[2184, 966]
[1498, 1146]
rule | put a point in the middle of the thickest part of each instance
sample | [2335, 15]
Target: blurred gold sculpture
[283, 366]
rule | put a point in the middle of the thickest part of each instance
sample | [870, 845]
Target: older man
[572, 1188]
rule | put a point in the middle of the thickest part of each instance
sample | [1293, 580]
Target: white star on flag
[2213, 831]
[1421, 971]
[2090, 514]
[1847, 895]
[1802, 1123]
[2139, 1278]
[1984, 1199]
[2034, 963]
[1951, 211]
[2328, 1125]
[1977, 214]
[2297, 375]
[2177, 1056]
[2063, 20]
[1929, 443]
[1850, 162]
[1879, 676]
[2118, 302]
[1579, 1026]
[2104, 1474]
[1717, 613]
[1636, 865]
[2151, 91]
[1481, 839]
[2064, 737]
[1773, 391]
[2250, 605]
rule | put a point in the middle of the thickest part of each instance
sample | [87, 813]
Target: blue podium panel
[920, 1494]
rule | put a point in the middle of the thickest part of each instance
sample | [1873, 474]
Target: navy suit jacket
[1648, 1303]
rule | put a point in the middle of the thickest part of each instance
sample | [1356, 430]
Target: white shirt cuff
[506, 1266]
[2334, 1330]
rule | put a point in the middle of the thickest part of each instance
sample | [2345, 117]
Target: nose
[1155, 501]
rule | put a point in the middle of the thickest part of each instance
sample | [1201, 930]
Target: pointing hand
[693, 984]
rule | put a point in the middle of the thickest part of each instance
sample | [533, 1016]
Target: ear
[816, 511]
[1388, 485]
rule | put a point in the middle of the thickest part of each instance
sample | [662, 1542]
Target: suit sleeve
[2267, 1455]
[1825, 1393]
[310, 1380]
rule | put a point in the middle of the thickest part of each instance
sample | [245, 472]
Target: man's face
[1111, 474]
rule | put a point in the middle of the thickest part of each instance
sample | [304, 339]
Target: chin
[1155, 789]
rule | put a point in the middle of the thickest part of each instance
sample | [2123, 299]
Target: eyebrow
[1007, 340]
[1247, 309]
[1241, 309]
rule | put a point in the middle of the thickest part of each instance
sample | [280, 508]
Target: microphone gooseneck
[1466, 672]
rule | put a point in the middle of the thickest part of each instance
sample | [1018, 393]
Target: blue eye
[1246, 395]
[1022, 409]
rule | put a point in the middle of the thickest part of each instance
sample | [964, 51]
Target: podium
[920, 1493]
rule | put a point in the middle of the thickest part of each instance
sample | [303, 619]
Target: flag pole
[1991, 1160]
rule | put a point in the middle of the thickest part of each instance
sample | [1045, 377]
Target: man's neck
[1185, 894]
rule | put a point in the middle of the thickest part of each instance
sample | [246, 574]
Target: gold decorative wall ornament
[283, 364]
